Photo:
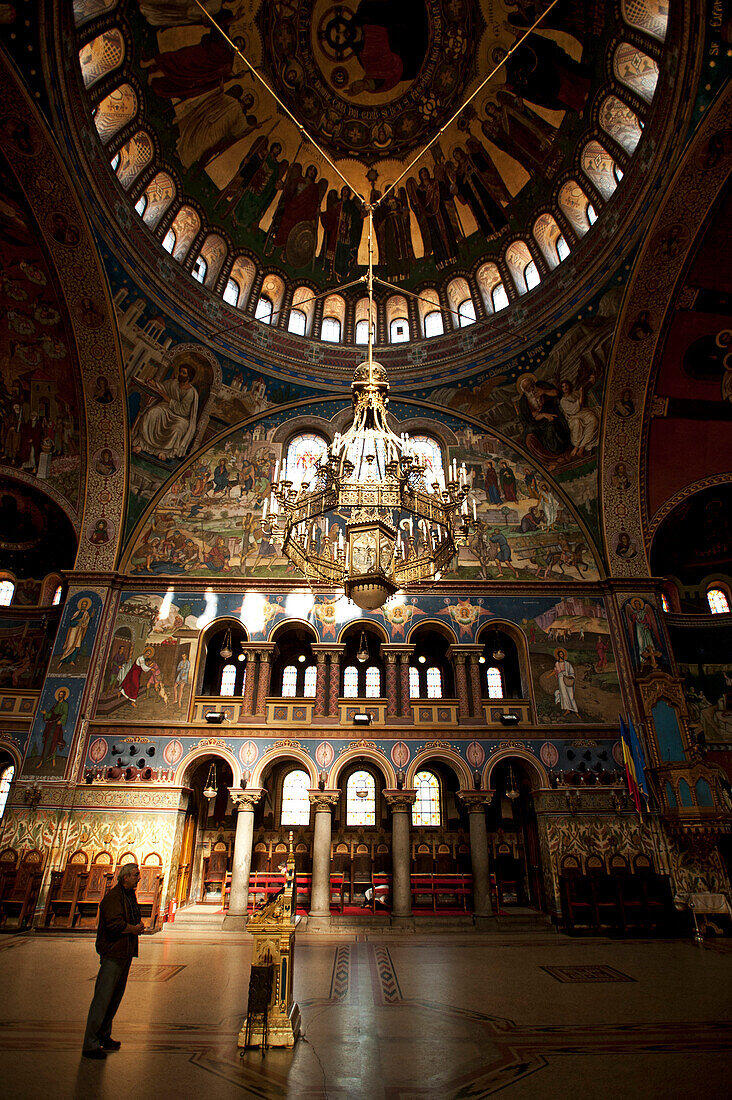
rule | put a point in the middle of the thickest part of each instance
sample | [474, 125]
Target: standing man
[116, 944]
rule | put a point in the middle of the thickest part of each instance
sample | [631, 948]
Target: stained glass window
[650, 16]
[718, 601]
[289, 682]
[6, 592]
[361, 799]
[373, 682]
[295, 801]
[426, 809]
[304, 453]
[636, 70]
[495, 682]
[350, 682]
[664, 602]
[434, 683]
[6, 778]
[429, 451]
[57, 596]
[228, 680]
[311, 676]
[413, 682]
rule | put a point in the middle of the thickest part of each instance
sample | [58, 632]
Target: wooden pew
[63, 894]
[17, 907]
[98, 882]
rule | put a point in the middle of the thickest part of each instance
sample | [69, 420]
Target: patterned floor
[449, 1017]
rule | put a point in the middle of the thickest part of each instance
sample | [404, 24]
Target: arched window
[141, 205]
[311, 676]
[426, 809]
[304, 454]
[228, 680]
[562, 248]
[330, 330]
[622, 124]
[373, 682]
[297, 322]
[636, 70]
[232, 292]
[499, 297]
[413, 682]
[362, 332]
[650, 16]
[495, 682]
[57, 596]
[531, 275]
[434, 683]
[6, 779]
[350, 682]
[428, 450]
[399, 331]
[289, 682]
[263, 312]
[466, 313]
[169, 241]
[718, 601]
[114, 162]
[591, 213]
[295, 801]
[199, 269]
[7, 588]
[433, 324]
[664, 602]
[361, 799]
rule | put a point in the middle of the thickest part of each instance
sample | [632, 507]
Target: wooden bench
[435, 888]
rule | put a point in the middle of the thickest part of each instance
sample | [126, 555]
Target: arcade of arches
[183, 312]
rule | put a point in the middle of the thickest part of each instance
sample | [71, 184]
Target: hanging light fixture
[210, 790]
[363, 649]
[396, 525]
[511, 789]
[498, 653]
[226, 649]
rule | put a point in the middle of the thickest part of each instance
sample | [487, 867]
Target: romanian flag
[634, 764]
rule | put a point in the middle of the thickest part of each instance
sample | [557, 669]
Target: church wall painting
[208, 522]
[59, 706]
[573, 665]
[645, 634]
[704, 657]
[25, 645]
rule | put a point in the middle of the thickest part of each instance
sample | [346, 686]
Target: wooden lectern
[272, 1017]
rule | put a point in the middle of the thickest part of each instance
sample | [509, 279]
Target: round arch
[432, 624]
[357, 756]
[279, 756]
[446, 756]
[365, 624]
[186, 767]
[518, 636]
[202, 646]
[516, 754]
[15, 753]
[288, 624]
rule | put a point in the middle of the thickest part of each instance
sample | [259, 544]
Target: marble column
[406, 703]
[321, 669]
[265, 672]
[334, 691]
[245, 801]
[392, 706]
[475, 803]
[401, 803]
[475, 685]
[249, 680]
[461, 684]
[322, 803]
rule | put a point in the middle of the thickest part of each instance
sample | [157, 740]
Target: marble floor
[446, 1015]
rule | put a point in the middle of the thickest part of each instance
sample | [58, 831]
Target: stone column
[392, 706]
[406, 703]
[249, 680]
[401, 803]
[322, 803]
[265, 672]
[475, 803]
[320, 702]
[475, 685]
[245, 801]
[461, 683]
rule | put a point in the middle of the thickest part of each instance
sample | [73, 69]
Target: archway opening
[209, 828]
[513, 837]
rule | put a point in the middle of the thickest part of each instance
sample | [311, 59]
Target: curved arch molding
[47, 186]
[640, 336]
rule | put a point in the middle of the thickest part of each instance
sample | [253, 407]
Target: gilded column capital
[323, 801]
[400, 801]
[245, 799]
[475, 801]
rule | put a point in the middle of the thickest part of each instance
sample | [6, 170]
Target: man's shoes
[110, 1044]
[99, 1055]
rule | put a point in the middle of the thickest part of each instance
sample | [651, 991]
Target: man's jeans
[111, 982]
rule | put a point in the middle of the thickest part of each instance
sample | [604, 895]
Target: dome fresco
[237, 194]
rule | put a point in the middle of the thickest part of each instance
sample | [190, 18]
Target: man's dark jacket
[118, 909]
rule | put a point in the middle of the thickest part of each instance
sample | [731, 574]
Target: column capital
[320, 657]
[264, 650]
[463, 652]
[332, 649]
[400, 800]
[245, 799]
[323, 801]
[475, 801]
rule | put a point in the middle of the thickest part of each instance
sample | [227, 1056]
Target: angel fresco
[294, 227]
[193, 70]
[645, 635]
[342, 222]
[212, 124]
[480, 187]
[542, 72]
[432, 202]
[393, 231]
[520, 132]
[248, 194]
